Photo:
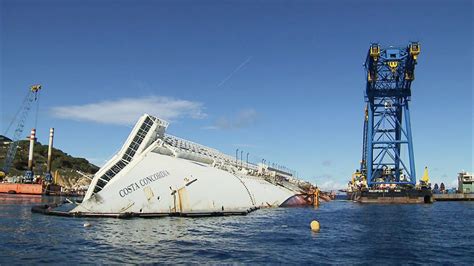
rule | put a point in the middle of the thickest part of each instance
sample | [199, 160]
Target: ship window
[141, 133]
[126, 158]
[136, 139]
[116, 169]
[134, 146]
[105, 177]
[145, 127]
[101, 183]
[108, 175]
[121, 164]
[130, 152]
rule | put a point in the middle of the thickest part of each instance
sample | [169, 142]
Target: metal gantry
[387, 156]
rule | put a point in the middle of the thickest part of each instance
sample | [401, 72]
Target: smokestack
[32, 144]
[50, 149]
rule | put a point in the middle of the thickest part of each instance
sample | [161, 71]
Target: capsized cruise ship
[156, 174]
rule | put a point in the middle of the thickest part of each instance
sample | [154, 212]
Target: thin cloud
[326, 163]
[127, 110]
[244, 145]
[244, 118]
[330, 185]
[327, 183]
[453, 183]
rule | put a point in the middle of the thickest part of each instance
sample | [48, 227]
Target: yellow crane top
[35, 88]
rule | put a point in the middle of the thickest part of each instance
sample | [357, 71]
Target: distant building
[465, 182]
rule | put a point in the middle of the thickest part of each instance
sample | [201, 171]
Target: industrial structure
[388, 163]
[48, 177]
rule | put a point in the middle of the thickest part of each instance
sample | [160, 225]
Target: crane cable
[16, 114]
[37, 96]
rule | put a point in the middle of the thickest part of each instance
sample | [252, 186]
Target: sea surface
[439, 233]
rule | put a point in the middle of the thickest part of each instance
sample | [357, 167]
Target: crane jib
[21, 117]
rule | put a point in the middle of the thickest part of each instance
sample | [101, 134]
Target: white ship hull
[154, 174]
[161, 184]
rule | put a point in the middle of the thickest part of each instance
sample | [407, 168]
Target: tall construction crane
[20, 117]
[387, 156]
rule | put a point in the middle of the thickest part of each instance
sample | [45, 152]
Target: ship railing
[184, 145]
[189, 146]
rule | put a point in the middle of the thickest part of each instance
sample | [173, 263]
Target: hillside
[66, 164]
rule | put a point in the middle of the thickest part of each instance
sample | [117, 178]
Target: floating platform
[454, 197]
[57, 210]
[20, 188]
[392, 196]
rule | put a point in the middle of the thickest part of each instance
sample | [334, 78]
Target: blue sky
[278, 79]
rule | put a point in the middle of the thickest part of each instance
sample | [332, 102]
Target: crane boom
[22, 115]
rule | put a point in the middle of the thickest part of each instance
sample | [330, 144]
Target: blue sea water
[439, 233]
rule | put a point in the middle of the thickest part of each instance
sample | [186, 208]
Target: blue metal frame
[388, 145]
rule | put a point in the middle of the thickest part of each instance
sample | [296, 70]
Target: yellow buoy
[314, 225]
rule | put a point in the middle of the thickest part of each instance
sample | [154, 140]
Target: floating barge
[454, 197]
[30, 189]
[19, 188]
[423, 195]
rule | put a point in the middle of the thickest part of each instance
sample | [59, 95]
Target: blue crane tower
[387, 156]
